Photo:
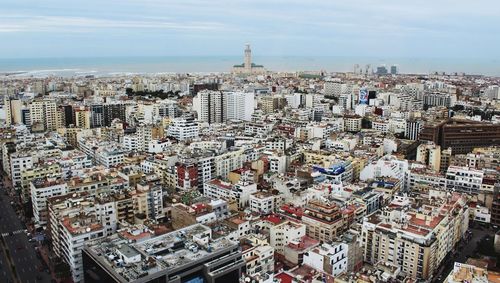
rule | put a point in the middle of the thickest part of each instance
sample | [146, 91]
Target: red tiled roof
[284, 278]
[297, 211]
[305, 243]
[273, 219]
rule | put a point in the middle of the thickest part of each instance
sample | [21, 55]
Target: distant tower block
[248, 68]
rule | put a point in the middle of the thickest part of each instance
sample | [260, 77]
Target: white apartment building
[109, 157]
[387, 166]
[42, 189]
[328, 258]
[335, 88]
[293, 100]
[184, 128]
[278, 143]
[259, 257]
[228, 162]
[75, 232]
[261, 202]
[130, 142]
[258, 129]
[158, 146]
[464, 179]
[76, 219]
[240, 105]
[217, 189]
[277, 162]
[420, 177]
[380, 126]
[283, 233]
[19, 161]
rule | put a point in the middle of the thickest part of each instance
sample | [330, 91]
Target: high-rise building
[413, 129]
[211, 106]
[168, 108]
[45, 113]
[113, 111]
[269, 103]
[440, 99]
[382, 70]
[82, 118]
[12, 109]
[417, 241]
[462, 136]
[96, 116]
[69, 115]
[240, 105]
[394, 70]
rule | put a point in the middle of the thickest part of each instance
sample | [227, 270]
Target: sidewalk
[44, 253]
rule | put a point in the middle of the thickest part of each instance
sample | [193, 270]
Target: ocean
[102, 66]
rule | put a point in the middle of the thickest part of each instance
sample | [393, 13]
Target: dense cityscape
[251, 176]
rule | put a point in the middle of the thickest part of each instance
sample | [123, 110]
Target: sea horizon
[113, 65]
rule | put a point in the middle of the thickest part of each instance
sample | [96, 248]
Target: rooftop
[159, 253]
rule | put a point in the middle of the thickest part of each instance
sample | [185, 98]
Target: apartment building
[262, 202]
[416, 241]
[183, 128]
[41, 190]
[329, 258]
[240, 192]
[464, 179]
[186, 254]
[281, 231]
[45, 113]
[323, 220]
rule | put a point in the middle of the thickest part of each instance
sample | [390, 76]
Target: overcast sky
[382, 28]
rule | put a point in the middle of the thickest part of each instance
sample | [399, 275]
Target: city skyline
[448, 29]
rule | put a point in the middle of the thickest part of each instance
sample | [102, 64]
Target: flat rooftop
[157, 254]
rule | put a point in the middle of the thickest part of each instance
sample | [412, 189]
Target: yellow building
[82, 118]
[430, 154]
[50, 169]
[70, 134]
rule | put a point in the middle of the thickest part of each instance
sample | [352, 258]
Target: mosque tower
[248, 57]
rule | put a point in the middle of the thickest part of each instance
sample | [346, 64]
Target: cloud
[20, 23]
[200, 27]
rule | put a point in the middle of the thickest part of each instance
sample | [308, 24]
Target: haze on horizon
[392, 28]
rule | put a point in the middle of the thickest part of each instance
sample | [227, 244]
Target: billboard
[363, 96]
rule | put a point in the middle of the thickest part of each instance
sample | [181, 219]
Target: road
[22, 252]
[5, 272]
[465, 250]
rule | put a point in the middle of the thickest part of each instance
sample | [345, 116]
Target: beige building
[82, 118]
[417, 241]
[430, 154]
[45, 113]
[323, 220]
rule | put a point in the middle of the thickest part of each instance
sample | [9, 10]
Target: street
[21, 251]
[465, 249]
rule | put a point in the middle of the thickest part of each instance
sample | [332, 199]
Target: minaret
[248, 57]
